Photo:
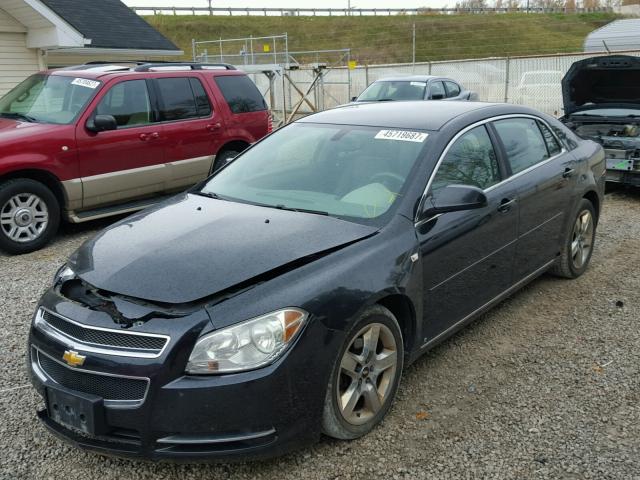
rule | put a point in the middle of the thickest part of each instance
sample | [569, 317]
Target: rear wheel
[578, 247]
[365, 376]
[29, 215]
[223, 158]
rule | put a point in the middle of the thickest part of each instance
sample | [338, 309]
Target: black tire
[223, 158]
[567, 266]
[334, 423]
[23, 188]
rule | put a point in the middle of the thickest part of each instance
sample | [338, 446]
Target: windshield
[340, 170]
[393, 90]
[48, 98]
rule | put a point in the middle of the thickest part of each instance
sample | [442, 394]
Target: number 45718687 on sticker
[402, 135]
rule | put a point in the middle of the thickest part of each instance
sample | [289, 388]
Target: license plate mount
[77, 411]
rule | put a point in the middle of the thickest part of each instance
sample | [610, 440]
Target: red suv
[95, 140]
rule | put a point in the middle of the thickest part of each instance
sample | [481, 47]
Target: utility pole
[413, 56]
[210, 11]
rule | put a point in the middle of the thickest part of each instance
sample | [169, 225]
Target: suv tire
[29, 215]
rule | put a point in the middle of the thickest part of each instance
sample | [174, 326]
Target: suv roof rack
[145, 67]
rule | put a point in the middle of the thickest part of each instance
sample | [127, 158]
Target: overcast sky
[292, 3]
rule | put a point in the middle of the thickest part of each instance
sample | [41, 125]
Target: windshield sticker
[402, 135]
[83, 82]
[418, 84]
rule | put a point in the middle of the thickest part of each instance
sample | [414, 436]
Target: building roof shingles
[110, 24]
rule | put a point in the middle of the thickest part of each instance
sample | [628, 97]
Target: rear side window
[552, 144]
[436, 91]
[241, 94]
[202, 100]
[471, 160]
[128, 102]
[453, 89]
[522, 141]
[176, 99]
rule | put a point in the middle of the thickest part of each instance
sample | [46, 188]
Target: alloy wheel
[582, 239]
[24, 217]
[367, 373]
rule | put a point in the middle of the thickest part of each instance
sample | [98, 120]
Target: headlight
[63, 274]
[248, 345]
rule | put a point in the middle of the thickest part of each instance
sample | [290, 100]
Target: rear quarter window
[241, 94]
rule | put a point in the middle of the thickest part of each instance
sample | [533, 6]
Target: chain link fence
[531, 81]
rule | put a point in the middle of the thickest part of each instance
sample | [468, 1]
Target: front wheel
[223, 158]
[365, 376]
[29, 215]
[578, 247]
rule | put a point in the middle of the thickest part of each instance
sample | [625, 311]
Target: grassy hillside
[385, 39]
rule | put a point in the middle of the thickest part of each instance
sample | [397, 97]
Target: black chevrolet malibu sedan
[282, 298]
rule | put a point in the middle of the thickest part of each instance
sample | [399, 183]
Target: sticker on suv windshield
[83, 82]
[402, 135]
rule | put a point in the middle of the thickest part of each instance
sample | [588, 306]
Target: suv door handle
[505, 204]
[568, 172]
[212, 127]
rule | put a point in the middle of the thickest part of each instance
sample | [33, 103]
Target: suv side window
[453, 89]
[522, 141]
[177, 100]
[203, 106]
[128, 102]
[552, 144]
[241, 94]
[471, 160]
[436, 91]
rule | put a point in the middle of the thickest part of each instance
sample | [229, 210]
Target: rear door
[120, 165]
[467, 256]
[193, 130]
[544, 174]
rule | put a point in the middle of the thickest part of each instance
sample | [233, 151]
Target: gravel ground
[547, 385]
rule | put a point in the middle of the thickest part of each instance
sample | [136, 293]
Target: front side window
[453, 89]
[241, 94]
[128, 102]
[471, 160]
[436, 91]
[48, 98]
[352, 172]
[523, 142]
[384, 91]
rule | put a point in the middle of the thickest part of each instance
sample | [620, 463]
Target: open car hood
[607, 82]
[193, 247]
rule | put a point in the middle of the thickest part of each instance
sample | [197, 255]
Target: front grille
[105, 386]
[107, 338]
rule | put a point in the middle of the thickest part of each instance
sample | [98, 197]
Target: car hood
[192, 247]
[608, 82]
[11, 130]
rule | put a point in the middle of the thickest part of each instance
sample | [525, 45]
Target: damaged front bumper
[128, 395]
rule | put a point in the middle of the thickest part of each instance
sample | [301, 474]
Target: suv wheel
[29, 215]
[578, 246]
[223, 158]
[365, 376]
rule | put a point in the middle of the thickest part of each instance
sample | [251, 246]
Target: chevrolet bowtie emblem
[73, 358]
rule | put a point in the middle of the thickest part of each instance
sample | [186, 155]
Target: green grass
[385, 39]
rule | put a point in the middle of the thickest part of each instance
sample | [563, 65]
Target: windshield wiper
[213, 195]
[20, 116]
[301, 210]
[386, 100]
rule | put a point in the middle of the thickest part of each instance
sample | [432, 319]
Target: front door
[467, 256]
[126, 163]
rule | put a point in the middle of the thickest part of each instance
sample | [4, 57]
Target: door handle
[568, 172]
[149, 136]
[212, 127]
[505, 204]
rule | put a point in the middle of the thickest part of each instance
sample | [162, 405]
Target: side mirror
[353, 99]
[454, 198]
[437, 96]
[102, 123]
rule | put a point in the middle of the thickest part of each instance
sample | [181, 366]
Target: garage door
[16, 60]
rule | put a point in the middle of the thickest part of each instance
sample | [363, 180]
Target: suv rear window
[241, 94]
[182, 98]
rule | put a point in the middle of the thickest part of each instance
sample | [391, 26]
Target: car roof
[114, 70]
[418, 115]
[409, 78]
